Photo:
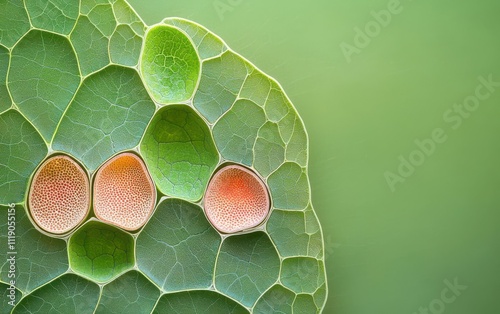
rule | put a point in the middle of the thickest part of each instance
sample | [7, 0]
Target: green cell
[289, 187]
[169, 64]
[100, 251]
[178, 247]
[14, 22]
[131, 293]
[287, 230]
[236, 131]
[109, 114]
[57, 16]
[199, 302]
[304, 304]
[269, 149]
[39, 258]
[247, 266]
[256, 87]
[87, 5]
[296, 150]
[276, 300]
[43, 78]
[302, 274]
[320, 295]
[25, 148]
[179, 152]
[125, 46]
[9, 299]
[277, 105]
[91, 46]
[69, 294]
[101, 16]
[221, 80]
[291, 235]
[124, 14]
[207, 44]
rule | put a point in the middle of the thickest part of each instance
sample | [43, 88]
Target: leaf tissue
[147, 169]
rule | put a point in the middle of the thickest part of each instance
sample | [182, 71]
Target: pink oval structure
[124, 193]
[236, 199]
[59, 196]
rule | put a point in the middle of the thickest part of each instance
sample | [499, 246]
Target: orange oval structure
[124, 193]
[59, 196]
[236, 199]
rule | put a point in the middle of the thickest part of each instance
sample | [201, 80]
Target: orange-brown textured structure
[124, 193]
[59, 196]
[236, 199]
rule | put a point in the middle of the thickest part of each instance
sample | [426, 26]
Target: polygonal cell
[43, 78]
[39, 259]
[178, 248]
[220, 83]
[20, 139]
[199, 302]
[295, 233]
[57, 16]
[236, 199]
[207, 43]
[269, 149]
[126, 15]
[169, 64]
[247, 266]
[102, 17]
[276, 300]
[130, 293]
[124, 193]
[289, 187]
[90, 45]
[236, 131]
[125, 46]
[8, 295]
[302, 274]
[304, 304]
[67, 294]
[256, 88]
[100, 251]
[320, 295]
[59, 196]
[179, 152]
[108, 115]
[13, 22]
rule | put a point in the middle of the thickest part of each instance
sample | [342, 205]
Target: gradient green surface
[388, 250]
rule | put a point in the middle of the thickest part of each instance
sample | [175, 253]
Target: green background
[387, 250]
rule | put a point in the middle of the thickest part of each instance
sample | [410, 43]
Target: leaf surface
[178, 248]
[130, 293]
[66, 294]
[89, 80]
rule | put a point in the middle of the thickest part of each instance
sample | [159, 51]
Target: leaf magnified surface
[89, 80]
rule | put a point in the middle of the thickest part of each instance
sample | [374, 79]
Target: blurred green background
[369, 86]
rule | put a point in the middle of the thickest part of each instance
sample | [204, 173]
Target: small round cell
[124, 193]
[236, 199]
[59, 196]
